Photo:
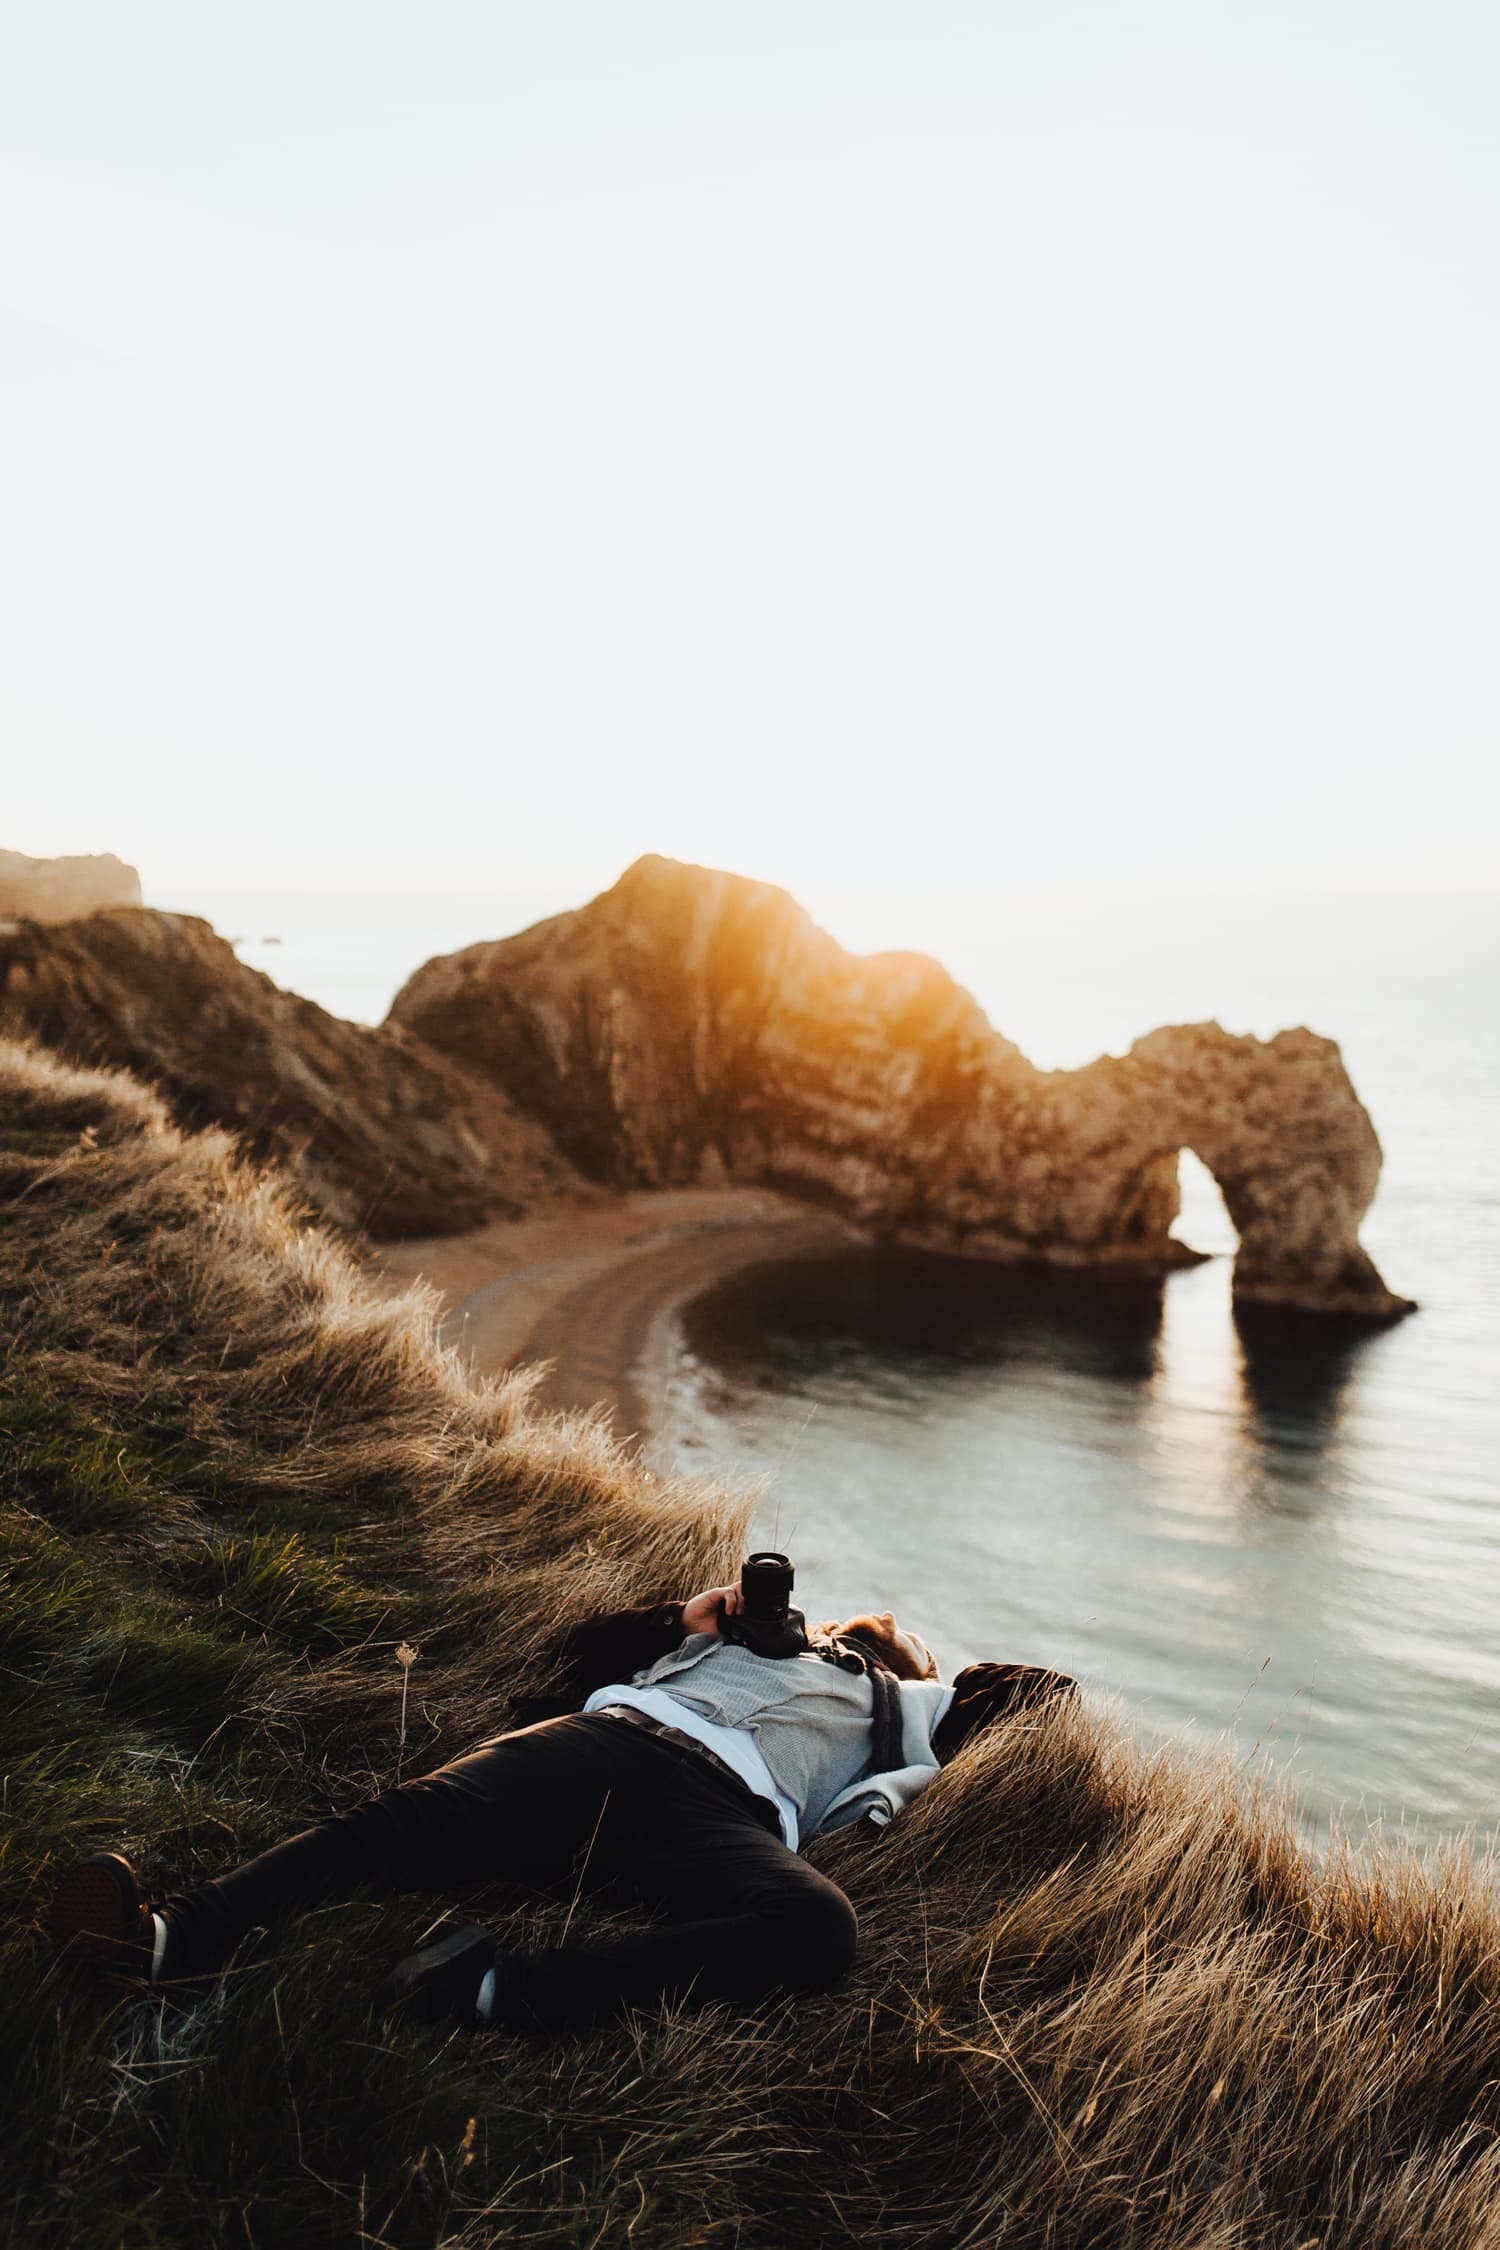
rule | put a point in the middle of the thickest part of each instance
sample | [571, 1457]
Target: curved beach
[592, 1292]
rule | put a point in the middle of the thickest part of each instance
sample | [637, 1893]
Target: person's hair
[873, 1635]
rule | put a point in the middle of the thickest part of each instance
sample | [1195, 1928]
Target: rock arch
[1280, 1127]
[690, 1024]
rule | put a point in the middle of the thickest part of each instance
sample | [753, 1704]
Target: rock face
[54, 890]
[379, 1131]
[688, 1027]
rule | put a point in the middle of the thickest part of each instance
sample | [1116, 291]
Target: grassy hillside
[1100, 1999]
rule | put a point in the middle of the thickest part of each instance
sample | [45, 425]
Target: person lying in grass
[679, 1764]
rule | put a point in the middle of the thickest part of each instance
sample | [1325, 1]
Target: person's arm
[984, 1692]
[600, 1650]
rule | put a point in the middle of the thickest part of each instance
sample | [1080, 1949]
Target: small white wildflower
[406, 1657]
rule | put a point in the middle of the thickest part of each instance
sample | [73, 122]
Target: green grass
[1100, 1999]
[277, 1588]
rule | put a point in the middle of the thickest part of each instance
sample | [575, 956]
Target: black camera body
[767, 1622]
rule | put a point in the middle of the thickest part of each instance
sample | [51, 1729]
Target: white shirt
[735, 1745]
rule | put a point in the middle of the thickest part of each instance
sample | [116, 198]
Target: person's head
[905, 1654]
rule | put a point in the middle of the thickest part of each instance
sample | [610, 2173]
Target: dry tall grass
[1101, 1998]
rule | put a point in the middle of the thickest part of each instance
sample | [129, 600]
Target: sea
[1268, 1534]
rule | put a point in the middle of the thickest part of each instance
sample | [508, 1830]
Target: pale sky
[978, 442]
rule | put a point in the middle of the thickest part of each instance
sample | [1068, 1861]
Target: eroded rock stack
[690, 1027]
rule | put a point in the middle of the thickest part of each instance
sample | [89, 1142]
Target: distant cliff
[379, 1131]
[690, 1026]
[54, 890]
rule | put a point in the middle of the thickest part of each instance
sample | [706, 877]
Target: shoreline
[593, 1291]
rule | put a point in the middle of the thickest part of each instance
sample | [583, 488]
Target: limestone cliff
[380, 1131]
[54, 890]
[690, 1026]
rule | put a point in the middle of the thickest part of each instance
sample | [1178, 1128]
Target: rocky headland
[54, 890]
[696, 1030]
[692, 1028]
[380, 1132]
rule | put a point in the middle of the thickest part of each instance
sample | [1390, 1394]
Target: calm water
[1271, 1530]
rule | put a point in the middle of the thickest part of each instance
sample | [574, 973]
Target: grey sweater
[811, 1720]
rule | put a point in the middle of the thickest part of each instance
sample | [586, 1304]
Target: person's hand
[706, 1612]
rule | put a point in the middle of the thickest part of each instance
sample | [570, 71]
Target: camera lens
[766, 1582]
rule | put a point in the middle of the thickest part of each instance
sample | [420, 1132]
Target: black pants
[587, 1802]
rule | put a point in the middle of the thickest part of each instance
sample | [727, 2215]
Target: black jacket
[602, 1650]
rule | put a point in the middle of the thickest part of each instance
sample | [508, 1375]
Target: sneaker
[440, 1984]
[100, 1916]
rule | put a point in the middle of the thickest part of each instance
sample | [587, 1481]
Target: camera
[767, 1623]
